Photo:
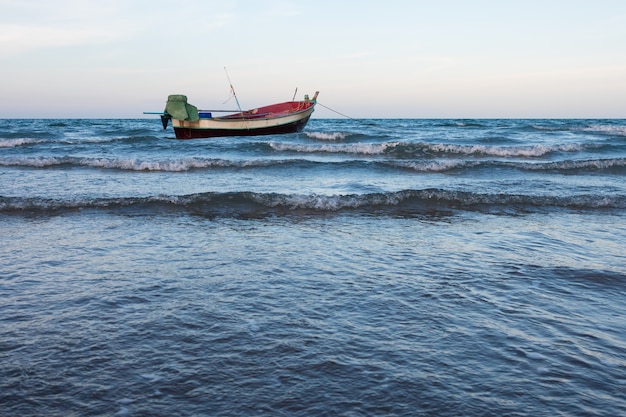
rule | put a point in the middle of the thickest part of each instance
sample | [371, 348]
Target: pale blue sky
[414, 58]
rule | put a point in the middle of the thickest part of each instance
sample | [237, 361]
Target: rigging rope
[335, 111]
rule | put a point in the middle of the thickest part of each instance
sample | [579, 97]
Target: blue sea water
[358, 268]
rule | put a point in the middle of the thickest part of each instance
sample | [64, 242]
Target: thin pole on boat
[232, 89]
[294, 94]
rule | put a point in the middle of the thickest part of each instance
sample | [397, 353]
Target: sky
[368, 59]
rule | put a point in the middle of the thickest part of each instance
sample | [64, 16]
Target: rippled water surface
[374, 267]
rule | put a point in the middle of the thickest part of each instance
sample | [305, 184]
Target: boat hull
[208, 128]
[244, 124]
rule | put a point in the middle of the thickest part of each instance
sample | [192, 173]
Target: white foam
[432, 166]
[12, 143]
[177, 165]
[609, 130]
[505, 151]
[138, 165]
[327, 136]
[174, 165]
[355, 148]
[597, 164]
[38, 162]
[328, 202]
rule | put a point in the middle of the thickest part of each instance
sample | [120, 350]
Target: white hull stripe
[238, 124]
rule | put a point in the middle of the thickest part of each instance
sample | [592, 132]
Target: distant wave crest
[607, 130]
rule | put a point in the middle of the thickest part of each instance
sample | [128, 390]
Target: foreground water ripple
[382, 267]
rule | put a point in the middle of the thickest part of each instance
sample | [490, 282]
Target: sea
[361, 267]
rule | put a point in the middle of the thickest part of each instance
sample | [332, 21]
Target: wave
[58, 124]
[25, 141]
[354, 148]
[407, 149]
[332, 136]
[12, 143]
[601, 129]
[616, 165]
[606, 130]
[253, 204]
[502, 151]
[174, 165]
[107, 139]
[462, 123]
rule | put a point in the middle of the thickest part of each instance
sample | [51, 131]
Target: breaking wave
[79, 140]
[12, 143]
[82, 140]
[618, 165]
[174, 165]
[502, 151]
[601, 129]
[251, 204]
[406, 150]
[333, 136]
[353, 148]
[606, 130]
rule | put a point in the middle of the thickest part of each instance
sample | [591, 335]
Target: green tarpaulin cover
[178, 108]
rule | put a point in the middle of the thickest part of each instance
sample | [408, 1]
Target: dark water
[359, 268]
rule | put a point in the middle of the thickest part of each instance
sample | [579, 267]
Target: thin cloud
[34, 25]
[23, 38]
[284, 9]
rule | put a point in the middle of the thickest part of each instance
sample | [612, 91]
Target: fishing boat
[190, 123]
